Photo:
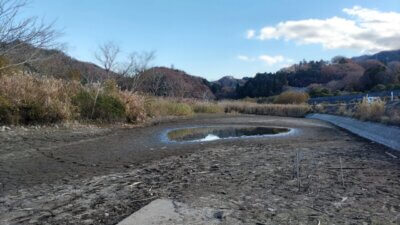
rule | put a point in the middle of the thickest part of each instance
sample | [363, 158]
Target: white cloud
[367, 30]
[269, 60]
[244, 58]
[250, 34]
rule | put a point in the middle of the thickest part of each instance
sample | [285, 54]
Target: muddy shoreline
[101, 177]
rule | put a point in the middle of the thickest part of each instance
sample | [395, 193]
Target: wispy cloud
[250, 34]
[268, 59]
[244, 58]
[367, 30]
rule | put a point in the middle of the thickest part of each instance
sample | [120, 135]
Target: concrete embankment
[380, 133]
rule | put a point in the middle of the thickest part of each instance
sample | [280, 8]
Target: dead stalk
[298, 169]
[341, 170]
[95, 101]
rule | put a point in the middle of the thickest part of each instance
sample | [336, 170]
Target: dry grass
[266, 109]
[31, 99]
[373, 111]
[206, 107]
[159, 107]
[342, 110]
[393, 117]
[135, 109]
[319, 108]
[292, 97]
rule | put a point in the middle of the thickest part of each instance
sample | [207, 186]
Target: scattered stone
[4, 128]
[219, 215]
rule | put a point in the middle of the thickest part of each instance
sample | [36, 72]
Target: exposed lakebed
[200, 134]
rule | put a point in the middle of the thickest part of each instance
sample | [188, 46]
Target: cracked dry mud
[101, 176]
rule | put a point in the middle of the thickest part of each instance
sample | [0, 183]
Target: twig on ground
[346, 168]
[145, 199]
[391, 155]
[318, 210]
[341, 170]
[298, 169]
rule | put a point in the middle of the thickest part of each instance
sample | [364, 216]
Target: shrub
[379, 87]
[8, 114]
[109, 108]
[291, 97]
[320, 92]
[99, 106]
[4, 63]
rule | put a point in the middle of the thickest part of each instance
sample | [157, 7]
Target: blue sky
[214, 38]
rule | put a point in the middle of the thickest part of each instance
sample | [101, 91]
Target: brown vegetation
[26, 99]
[292, 97]
[266, 109]
[370, 110]
[376, 111]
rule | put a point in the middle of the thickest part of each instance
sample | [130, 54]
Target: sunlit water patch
[200, 134]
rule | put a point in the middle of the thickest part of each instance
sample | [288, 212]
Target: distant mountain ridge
[226, 87]
[384, 56]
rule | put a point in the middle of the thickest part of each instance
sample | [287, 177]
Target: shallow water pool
[200, 134]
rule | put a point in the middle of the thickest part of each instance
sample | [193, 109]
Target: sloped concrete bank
[380, 133]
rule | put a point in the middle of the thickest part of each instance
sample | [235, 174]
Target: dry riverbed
[92, 175]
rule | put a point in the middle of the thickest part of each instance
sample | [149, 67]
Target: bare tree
[107, 56]
[132, 68]
[155, 82]
[135, 67]
[22, 38]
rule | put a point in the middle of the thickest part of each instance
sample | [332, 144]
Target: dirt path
[377, 132]
[249, 181]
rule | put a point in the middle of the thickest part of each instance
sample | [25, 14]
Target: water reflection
[215, 133]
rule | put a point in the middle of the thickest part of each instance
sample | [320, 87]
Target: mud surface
[100, 176]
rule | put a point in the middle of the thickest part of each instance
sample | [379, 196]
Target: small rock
[219, 215]
[106, 214]
[214, 167]
[4, 128]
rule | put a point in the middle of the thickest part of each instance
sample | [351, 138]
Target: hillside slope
[384, 56]
[163, 81]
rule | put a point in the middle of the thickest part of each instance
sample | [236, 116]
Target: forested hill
[326, 78]
[338, 76]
